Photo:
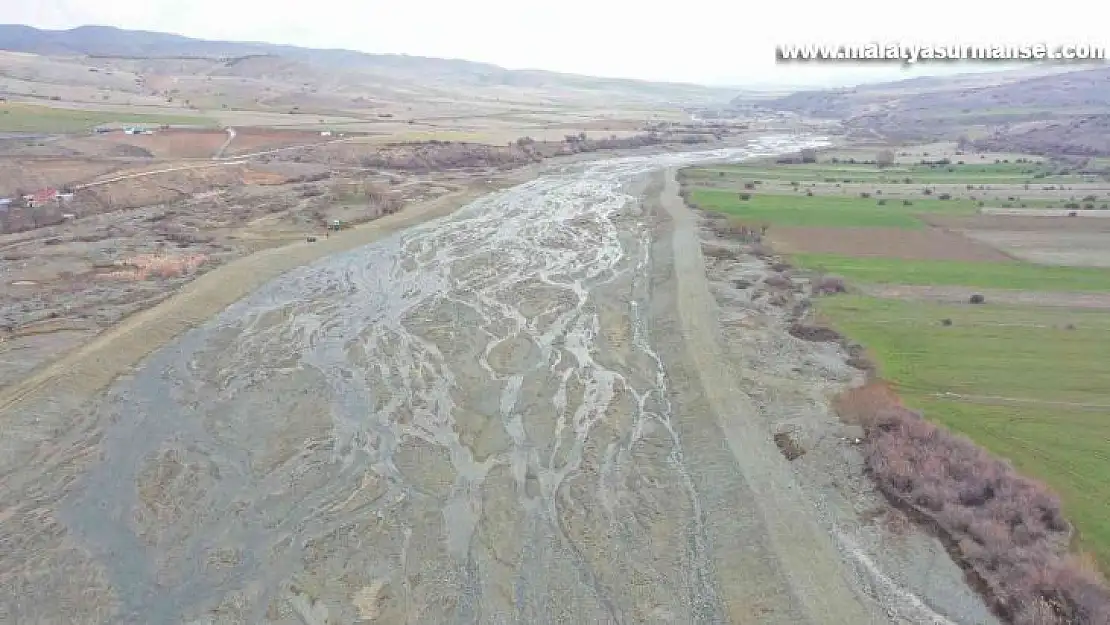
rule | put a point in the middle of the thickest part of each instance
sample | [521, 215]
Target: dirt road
[471, 421]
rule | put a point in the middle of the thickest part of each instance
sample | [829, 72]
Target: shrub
[828, 285]
[809, 193]
[881, 202]
[749, 185]
[789, 447]
[977, 298]
[907, 180]
[778, 281]
[907, 203]
[816, 334]
[864, 194]
[745, 196]
[944, 196]
[927, 191]
[1004, 527]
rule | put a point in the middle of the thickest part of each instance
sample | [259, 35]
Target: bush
[809, 193]
[927, 191]
[864, 194]
[790, 448]
[977, 298]
[881, 202]
[778, 281]
[749, 185]
[944, 196]
[745, 196]
[1004, 527]
[816, 334]
[828, 285]
[907, 203]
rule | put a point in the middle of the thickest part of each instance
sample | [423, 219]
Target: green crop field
[34, 118]
[830, 211]
[1000, 275]
[970, 172]
[1034, 381]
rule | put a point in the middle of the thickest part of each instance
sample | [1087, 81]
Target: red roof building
[44, 195]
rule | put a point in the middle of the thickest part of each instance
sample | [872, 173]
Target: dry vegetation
[1008, 531]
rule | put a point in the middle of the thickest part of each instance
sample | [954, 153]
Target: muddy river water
[467, 422]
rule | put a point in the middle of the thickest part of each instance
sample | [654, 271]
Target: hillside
[113, 44]
[1047, 110]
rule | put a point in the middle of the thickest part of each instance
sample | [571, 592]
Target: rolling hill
[103, 43]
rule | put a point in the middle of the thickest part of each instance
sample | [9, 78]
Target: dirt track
[470, 421]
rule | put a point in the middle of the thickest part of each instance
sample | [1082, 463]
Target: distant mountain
[1036, 87]
[106, 41]
[1043, 110]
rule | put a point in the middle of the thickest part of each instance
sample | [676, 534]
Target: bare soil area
[29, 174]
[172, 144]
[1022, 223]
[1077, 249]
[248, 140]
[924, 244]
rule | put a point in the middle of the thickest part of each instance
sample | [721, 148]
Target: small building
[38, 198]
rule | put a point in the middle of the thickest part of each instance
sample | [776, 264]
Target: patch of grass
[824, 211]
[1032, 389]
[973, 170]
[1002, 275]
[15, 117]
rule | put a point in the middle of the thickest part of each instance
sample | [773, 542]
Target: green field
[1033, 384]
[34, 118]
[1041, 390]
[971, 172]
[830, 211]
[999, 275]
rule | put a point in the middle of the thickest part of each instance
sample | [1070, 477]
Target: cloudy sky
[709, 41]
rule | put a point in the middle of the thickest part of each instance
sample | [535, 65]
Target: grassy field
[16, 117]
[824, 210]
[971, 172]
[1000, 275]
[1036, 389]
[1028, 383]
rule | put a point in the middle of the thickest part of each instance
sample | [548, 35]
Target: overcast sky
[721, 42]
